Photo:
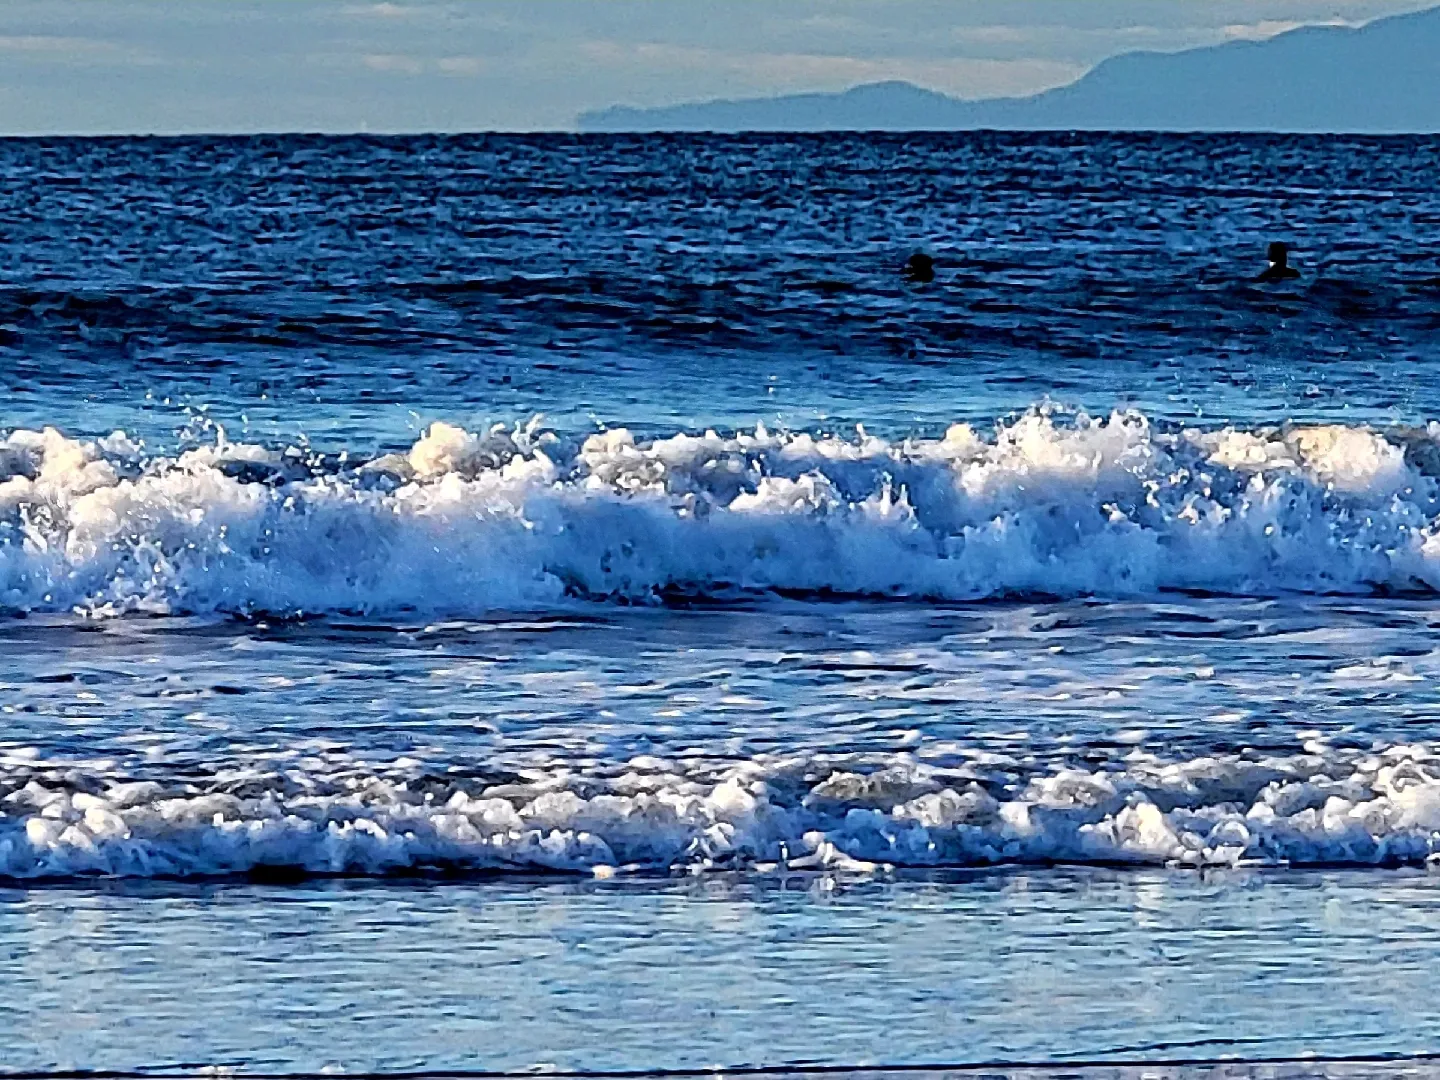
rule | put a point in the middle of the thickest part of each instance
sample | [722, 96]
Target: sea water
[511, 602]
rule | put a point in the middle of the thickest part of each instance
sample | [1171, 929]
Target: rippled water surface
[1018, 967]
[571, 601]
[334, 285]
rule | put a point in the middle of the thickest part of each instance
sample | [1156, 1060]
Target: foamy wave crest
[1049, 504]
[1322, 807]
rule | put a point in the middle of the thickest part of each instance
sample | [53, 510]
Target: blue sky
[391, 65]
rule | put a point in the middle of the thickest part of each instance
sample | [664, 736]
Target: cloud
[72, 52]
[1056, 41]
[1268, 28]
[395, 63]
[790, 71]
[56, 45]
[462, 65]
[387, 11]
[404, 64]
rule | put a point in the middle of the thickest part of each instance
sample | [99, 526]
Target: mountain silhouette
[1383, 77]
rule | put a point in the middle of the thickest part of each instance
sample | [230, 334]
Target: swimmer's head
[1278, 253]
[920, 267]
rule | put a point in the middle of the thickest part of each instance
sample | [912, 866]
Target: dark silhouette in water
[920, 267]
[1279, 268]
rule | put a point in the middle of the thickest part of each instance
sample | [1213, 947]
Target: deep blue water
[335, 285]
[1037, 662]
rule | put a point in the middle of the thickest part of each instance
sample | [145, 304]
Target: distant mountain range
[1382, 77]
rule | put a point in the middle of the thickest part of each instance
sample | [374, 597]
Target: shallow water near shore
[991, 967]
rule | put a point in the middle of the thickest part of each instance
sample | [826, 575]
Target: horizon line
[580, 133]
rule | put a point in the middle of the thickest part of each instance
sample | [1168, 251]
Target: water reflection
[731, 971]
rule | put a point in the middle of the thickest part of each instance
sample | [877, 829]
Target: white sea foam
[465, 522]
[1320, 807]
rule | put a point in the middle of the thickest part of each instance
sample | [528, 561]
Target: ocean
[571, 603]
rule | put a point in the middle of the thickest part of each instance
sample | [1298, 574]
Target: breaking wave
[1051, 503]
[1320, 807]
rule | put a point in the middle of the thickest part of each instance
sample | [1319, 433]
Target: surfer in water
[920, 268]
[1279, 269]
